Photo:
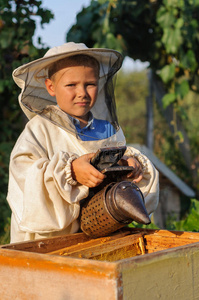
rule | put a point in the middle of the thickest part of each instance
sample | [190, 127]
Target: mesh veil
[35, 100]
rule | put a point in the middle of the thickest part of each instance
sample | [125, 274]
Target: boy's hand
[137, 174]
[84, 173]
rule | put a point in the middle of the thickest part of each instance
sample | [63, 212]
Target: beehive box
[129, 264]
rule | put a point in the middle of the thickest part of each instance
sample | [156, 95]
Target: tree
[164, 33]
[17, 27]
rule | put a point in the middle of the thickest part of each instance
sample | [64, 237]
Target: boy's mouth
[82, 103]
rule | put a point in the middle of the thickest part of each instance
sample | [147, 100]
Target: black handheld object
[107, 157]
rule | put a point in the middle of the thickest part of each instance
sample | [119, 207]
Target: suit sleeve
[42, 194]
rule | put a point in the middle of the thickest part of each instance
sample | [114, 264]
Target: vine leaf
[168, 99]
[167, 73]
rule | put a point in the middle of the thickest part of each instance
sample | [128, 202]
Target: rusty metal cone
[125, 202]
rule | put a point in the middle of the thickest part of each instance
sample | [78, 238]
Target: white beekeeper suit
[43, 197]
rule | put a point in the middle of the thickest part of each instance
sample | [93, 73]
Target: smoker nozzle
[125, 202]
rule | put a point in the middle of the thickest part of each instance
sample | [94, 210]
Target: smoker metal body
[113, 205]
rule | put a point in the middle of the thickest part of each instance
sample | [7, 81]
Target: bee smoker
[113, 204]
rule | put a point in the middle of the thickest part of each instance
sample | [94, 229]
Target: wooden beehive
[129, 264]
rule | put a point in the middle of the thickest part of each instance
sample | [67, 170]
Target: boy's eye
[92, 83]
[70, 84]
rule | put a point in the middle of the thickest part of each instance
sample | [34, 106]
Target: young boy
[68, 97]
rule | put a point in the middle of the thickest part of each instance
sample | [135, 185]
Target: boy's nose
[81, 91]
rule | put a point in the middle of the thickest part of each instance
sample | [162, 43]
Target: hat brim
[106, 58]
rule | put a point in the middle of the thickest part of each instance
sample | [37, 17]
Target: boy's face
[75, 89]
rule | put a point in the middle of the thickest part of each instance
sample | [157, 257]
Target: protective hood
[34, 98]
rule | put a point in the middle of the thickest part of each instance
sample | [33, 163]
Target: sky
[65, 11]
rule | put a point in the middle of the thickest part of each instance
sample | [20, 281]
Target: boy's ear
[50, 87]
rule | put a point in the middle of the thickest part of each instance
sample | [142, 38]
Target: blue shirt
[95, 129]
